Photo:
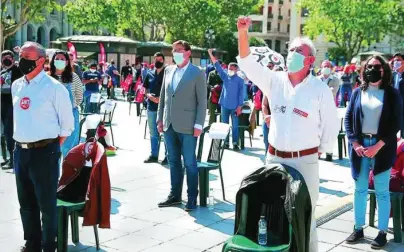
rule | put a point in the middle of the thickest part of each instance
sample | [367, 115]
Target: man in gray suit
[181, 115]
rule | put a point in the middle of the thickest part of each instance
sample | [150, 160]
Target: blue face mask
[60, 64]
[295, 62]
[178, 58]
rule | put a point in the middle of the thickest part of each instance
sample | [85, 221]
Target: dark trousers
[7, 120]
[37, 172]
[178, 144]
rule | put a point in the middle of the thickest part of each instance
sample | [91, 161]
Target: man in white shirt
[43, 118]
[304, 117]
[181, 115]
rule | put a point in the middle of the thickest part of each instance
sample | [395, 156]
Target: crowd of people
[299, 112]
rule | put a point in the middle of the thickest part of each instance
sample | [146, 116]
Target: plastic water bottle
[211, 200]
[262, 231]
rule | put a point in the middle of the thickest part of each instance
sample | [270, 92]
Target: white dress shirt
[302, 117]
[177, 76]
[42, 109]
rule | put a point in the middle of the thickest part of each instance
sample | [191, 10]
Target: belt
[38, 144]
[369, 136]
[287, 154]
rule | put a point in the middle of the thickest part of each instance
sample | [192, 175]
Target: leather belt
[294, 154]
[38, 144]
[369, 136]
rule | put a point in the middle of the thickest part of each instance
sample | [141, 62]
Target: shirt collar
[184, 68]
[36, 79]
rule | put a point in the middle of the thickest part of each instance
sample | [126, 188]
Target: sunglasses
[376, 67]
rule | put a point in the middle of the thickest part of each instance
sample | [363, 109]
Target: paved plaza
[137, 224]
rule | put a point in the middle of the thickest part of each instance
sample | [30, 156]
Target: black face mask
[158, 64]
[373, 75]
[27, 66]
[7, 62]
[127, 63]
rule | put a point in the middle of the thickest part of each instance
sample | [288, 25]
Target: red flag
[72, 49]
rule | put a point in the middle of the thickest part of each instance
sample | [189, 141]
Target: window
[279, 27]
[288, 28]
[277, 45]
[269, 26]
[256, 26]
[269, 43]
[279, 11]
[304, 12]
[53, 12]
[269, 10]
[289, 13]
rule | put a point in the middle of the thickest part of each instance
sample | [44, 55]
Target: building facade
[56, 25]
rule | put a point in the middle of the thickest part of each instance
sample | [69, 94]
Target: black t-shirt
[125, 71]
[153, 83]
[15, 75]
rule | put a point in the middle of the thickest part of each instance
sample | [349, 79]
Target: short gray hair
[305, 41]
[38, 47]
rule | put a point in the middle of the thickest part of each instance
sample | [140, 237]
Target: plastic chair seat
[208, 165]
[239, 243]
[396, 199]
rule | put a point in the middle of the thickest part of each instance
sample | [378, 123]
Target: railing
[280, 17]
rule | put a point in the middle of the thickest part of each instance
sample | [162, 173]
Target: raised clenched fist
[243, 23]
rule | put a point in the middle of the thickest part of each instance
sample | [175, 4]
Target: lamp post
[210, 36]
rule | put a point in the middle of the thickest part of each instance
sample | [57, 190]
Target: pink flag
[103, 55]
[72, 49]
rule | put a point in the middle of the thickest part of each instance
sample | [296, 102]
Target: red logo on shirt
[300, 113]
[25, 102]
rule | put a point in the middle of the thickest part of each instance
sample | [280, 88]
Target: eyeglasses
[376, 67]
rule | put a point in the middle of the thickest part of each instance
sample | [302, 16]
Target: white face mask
[231, 72]
[92, 70]
[326, 71]
[397, 65]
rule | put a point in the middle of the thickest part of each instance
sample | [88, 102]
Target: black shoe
[8, 166]
[191, 205]
[29, 247]
[235, 147]
[165, 161]
[170, 201]
[5, 162]
[356, 236]
[151, 159]
[379, 241]
[328, 157]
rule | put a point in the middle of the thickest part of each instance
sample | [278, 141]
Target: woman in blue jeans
[60, 69]
[372, 121]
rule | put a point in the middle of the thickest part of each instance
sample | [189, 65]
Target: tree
[158, 19]
[254, 41]
[31, 10]
[352, 24]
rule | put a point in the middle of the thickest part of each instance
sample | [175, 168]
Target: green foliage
[159, 19]
[335, 53]
[352, 24]
[31, 10]
[254, 41]
[228, 41]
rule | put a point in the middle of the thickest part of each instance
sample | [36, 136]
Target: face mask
[295, 62]
[397, 65]
[7, 62]
[93, 70]
[231, 72]
[127, 63]
[178, 58]
[60, 64]
[27, 66]
[326, 71]
[158, 64]
[373, 75]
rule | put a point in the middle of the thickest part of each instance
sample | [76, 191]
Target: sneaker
[5, 162]
[328, 157]
[165, 161]
[191, 205]
[170, 201]
[355, 237]
[8, 166]
[235, 147]
[379, 241]
[151, 159]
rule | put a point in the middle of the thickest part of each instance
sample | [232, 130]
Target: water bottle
[211, 200]
[262, 231]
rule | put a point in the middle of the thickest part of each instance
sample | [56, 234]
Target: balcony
[280, 1]
[280, 17]
[270, 1]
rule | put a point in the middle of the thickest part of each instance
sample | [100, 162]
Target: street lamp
[210, 36]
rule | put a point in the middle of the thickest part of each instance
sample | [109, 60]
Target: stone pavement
[139, 225]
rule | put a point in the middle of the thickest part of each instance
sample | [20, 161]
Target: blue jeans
[73, 139]
[36, 173]
[182, 144]
[226, 113]
[381, 188]
[154, 134]
[265, 132]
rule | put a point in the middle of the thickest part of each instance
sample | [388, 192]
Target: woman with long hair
[60, 69]
[372, 120]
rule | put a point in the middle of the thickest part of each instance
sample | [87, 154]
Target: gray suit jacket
[186, 106]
